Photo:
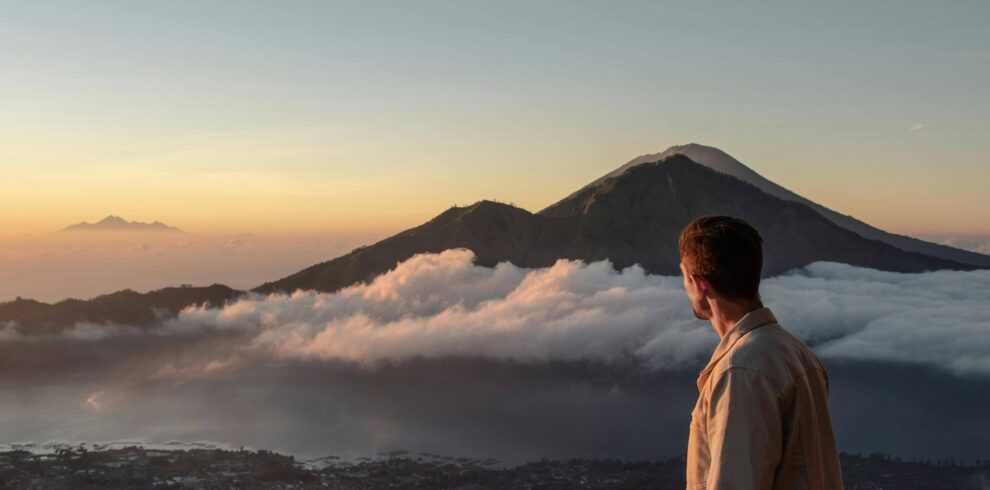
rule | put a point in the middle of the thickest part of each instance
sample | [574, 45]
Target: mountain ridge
[116, 223]
[631, 216]
[124, 307]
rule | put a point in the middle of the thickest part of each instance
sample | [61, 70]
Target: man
[762, 418]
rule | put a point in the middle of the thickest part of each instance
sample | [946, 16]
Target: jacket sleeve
[745, 433]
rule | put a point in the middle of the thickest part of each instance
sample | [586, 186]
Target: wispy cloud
[917, 127]
[973, 243]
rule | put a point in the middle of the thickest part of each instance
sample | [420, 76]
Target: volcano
[634, 215]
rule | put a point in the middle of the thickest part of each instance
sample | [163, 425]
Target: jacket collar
[749, 321]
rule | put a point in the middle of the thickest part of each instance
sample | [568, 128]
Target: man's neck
[726, 314]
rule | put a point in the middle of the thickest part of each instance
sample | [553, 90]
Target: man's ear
[701, 284]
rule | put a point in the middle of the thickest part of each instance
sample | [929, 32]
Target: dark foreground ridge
[126, 307]
[136, 467]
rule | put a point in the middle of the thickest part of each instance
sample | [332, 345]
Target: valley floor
[136, 467]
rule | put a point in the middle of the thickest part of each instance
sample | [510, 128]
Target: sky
[372, 117]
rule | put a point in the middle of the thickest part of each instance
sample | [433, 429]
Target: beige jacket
[762, 419]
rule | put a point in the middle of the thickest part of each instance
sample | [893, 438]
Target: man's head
[721, 257]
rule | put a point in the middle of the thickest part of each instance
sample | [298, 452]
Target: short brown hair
[727, 252]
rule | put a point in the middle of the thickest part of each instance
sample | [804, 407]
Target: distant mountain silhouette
[720, 161]
[124, 307]
[116, 223]
[631, 216]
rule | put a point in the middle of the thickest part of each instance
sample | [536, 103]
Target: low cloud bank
[442, 305]
[939, 318]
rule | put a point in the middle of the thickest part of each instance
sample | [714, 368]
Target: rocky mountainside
[720, 161]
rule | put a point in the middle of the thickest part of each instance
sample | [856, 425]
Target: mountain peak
[490, 204]
[112, 220]
[708, 156]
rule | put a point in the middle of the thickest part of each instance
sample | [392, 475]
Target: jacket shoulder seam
[718, 376]
[805, 374]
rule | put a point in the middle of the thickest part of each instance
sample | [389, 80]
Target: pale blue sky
[255, 116]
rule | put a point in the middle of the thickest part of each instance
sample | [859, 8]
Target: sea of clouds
[442, 355]
[443, 305]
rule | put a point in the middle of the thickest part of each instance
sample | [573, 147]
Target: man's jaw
[702, 311]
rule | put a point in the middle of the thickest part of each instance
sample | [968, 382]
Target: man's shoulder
[773, 352]
[758, 346]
